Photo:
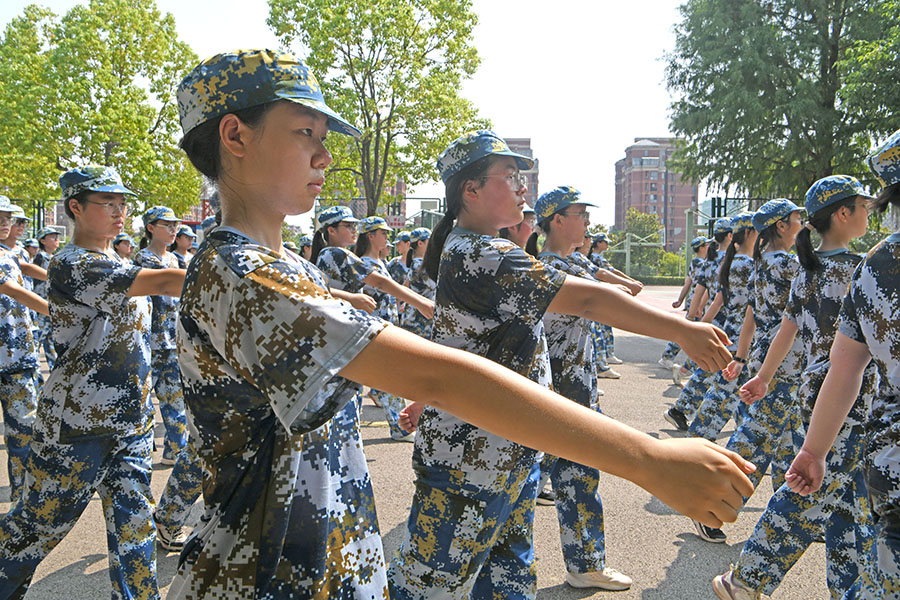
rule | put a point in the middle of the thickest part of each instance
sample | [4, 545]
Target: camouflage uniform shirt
[344, 270]
[165, 308]
[422, 284]
[398, 270]
[773, 275]
[386, 304]
[737, 297]
[289, 505]
[18, 350]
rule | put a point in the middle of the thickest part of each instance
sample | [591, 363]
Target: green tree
[759, 88]
[394, 68]
[643, 228]
[95, 86]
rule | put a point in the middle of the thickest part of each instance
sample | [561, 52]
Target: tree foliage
[393, 68]
[643, 228]
[94, 86]
[765, 92]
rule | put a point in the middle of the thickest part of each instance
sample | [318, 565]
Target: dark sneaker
[547, 497]
[709, 534]
[676, 418]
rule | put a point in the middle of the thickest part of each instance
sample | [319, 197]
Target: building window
[653, 186]
[652, 197]
[646, 153]
[654, 175]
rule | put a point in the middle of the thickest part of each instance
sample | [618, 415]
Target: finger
[725, 512]
[710, 520]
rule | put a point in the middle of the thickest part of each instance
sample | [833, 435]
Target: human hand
[806, 473]
[363, 302]
[409, 416]
[676, 304]
[731, 372]
[699, 479]
[635, 287]
[705, 344]
[426, 307]
[753, 390]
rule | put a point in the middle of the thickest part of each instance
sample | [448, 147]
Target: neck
[91, 241]
[466, 221]
[372, 253]
[157, 247]
[260, 223]
[833, 239]
[9, 242]
[558, 246]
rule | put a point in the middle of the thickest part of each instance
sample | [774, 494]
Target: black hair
[821, 221]
[768, 236]
[411, 253]
[201, 144]
[41, 240]
[531, 246]
[888, 195]
[147, 237]
[174, 245]
[454, 192]
[362, 244]
[503, 233]
[320, 241]
[81, 196]
[725, 270]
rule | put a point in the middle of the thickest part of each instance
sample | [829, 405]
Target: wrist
[739, 360]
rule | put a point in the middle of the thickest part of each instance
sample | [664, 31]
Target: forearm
[158, 282]
[25, 297]
[33, 271]
[684, 290]
[778, 349]
[714, 308]
[610, 277]
[697, 301]
[748, 329]
[389, 286]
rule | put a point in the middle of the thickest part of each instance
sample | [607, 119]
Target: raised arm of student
[697, 302]
[598, 302]
[361, 301]
[748, 329]
[33, 271]
[836, 397]
[24, 296]
[696, 477]
[714, 308]
[781, 344]
[158, 282]
[684, 291]
[404, 294]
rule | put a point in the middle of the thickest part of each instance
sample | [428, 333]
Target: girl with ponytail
[839, 512]
[491, 299]
[419, 282]
[397, 266]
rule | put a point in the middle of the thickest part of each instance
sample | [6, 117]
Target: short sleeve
[95, 280]
[290, 337]
[521, 277]
[796, 300]
[345, 270]
[848, 321]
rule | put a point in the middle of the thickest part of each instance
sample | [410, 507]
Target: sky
[581, 79]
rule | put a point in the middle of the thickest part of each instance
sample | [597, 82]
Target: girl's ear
[232, 135]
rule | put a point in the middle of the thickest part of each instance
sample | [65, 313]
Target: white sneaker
[170, 539]
[676, 376]
[608, 374]
[409, 437]
[167, 462]
[607, 579]
[613, 360]
[665, 363]
[600, 393]
[727, 588]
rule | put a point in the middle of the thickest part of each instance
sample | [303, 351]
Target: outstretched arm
[757, 387]
[158, 282]
[697, 302]
[748, 329]
[25, 296]
[404, 294]
[696, 477]
[33, 271]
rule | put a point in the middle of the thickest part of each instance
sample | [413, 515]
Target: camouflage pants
[692, 393]
[720, 403]
[839, 511]
[671, 351]
[598, 339]
[61, 479]
[468, 544]
[169, 394]
[18, 397]
[765, 433]
[392, 406]
[182, 489]
[883, 581]
[579, 511]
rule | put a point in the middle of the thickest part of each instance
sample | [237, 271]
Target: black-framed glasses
[112, 208]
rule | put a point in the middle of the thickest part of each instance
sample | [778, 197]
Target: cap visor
[336, 123]
[114, 189]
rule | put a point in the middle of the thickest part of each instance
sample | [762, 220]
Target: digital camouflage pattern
[18, 350]
[884, 162]
[41, 322]
[92, 178]
[18, 400]
[397, 269]
[697, 264]
[473, 146]
[334, 215]
[773, 211]
[556, 200]
[344, 270]
[422, 284]
[737, 297]
[775, 273]
[831, 189]
[232, 81]
[289, 505]
[165, 308]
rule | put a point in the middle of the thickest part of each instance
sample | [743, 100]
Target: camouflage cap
[335, 214]
[600, 237]
[31, 243]
[698, 241]
[305, 240]
[473, 146]
[207, 223]
[123, 237]
[290, 246]
[19, 213]
[45, 232]
[831, 189]
[92, 178]
[527, 210]
[722, 225]
[884, 162]
[186, 230]
[556, 200]
[195, 245]
[419, 234]
[402, 236]
[372, 223]
[773, 211]
[741, 221]
[242, 79]
[5, 204]
[159, 213]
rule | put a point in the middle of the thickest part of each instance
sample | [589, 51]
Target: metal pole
[628, 253]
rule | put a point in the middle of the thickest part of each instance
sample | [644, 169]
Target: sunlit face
[164, 231]
[5, 224]
[504, 198]
[860, 217]
[32, 251]
[18, 228]
[572, 223]
[102, 214]
[789, 229]
[183, 243]
[342, 235]
[402, 247]
[51, 242]
[378, 240]
[124, 249]
[285, 158]
[306, 252]
[703, 250]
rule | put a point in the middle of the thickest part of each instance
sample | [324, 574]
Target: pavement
[644, 538]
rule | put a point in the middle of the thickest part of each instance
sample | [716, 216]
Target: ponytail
[145, 240]
[725, 269]
[712, 250]
[888, 195]
[362, 245]
[503, 233]
[320, 241]
[411, 253]
[531, 246]
[821, 222]
[454, 193]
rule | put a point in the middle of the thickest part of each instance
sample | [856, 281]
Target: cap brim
[586, 203]
[114, 189]
[336, 123]
[523, 162]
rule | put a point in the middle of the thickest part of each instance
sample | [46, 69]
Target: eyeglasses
[515, 180]
[112, 207]
[5, 219]
[864, 205]
[350, 226]
[171, 225]
[584, 216]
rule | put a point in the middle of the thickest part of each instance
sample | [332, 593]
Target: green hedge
[660, 280]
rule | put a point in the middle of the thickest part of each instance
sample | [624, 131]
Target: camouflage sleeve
[520, 274]
[796, 299]
[291, 337]
[848, 321]
[94, 279]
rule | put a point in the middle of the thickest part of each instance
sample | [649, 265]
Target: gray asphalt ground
[644, 538]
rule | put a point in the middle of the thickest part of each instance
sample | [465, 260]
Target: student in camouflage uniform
[265, 346]
[691, 396]
[184, 239]
[124, 245]
[304, 246]
[397, 266]
[839, 512]
[469, 533]
[699, 245]
[867, 331]
[160, 228]
[48, 240]
[519, 234]
[419, 282]
[18, 359]
[564, 219]
[93, 430]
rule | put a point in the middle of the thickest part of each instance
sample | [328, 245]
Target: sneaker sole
[720, 590]
[705, 537]
[169, 547]
[542, 502]
[673, 422]
[610, 587]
